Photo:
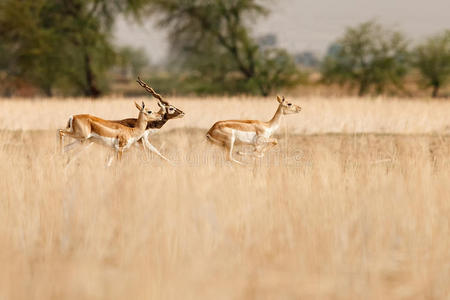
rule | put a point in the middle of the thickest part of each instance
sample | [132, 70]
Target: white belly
[107, 141]
[112, 141]
[245, 136]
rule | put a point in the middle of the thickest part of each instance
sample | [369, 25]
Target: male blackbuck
[167, 112]
[87, 129]
[251, 132]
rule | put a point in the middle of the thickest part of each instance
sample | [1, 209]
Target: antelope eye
[289, 104]
[171, 109]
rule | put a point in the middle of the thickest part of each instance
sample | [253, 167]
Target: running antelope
[87, 129]
[167, 112]
[251, 132]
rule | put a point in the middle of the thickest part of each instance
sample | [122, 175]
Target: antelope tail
[69, 123]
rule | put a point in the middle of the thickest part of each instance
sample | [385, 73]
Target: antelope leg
[152, 148]
[230, 150]
[71, 146]
[76, 155]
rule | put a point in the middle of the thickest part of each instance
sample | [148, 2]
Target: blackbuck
[167, 112]
[88, 129]
[250, 132]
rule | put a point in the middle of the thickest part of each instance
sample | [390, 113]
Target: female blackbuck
[252, 132]
[167, 112]
[87, 129]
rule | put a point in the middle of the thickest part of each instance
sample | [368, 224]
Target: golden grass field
[354, 203]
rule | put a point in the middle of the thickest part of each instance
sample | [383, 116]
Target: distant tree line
[66, 46]
[374, 59]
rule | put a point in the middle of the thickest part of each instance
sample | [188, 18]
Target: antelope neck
[274, 123]
[141, 122]
[157, 124]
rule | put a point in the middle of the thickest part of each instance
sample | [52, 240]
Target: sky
[311, 24]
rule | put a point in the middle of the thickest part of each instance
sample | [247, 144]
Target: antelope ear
[279, 99]
[162, 107]
[138, 106]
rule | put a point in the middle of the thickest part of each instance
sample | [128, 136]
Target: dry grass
[319, 115]
[325, 216]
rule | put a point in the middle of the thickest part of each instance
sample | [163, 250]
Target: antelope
[167, 112]
[88, 129]
[251, 132]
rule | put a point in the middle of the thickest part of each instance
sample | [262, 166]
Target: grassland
[353, 204]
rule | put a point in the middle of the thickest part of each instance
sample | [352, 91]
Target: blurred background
[223, 47]
[353, 203]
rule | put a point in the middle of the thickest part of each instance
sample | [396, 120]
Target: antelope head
[288, 107]
[147, 115]
[167, 111]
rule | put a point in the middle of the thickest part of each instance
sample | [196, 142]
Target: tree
[276, 68]
[432, 58]
[131, 61]
[29, 48]
[211, 38]
[61, 43]
[307, 59]
[368, 56]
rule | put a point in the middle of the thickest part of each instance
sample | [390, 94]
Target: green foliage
[131, 61]
[368, 56]
[60, 44]
[275, 69]
[211, 39]
[29, 47]
[307, 59]
[432, 58]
